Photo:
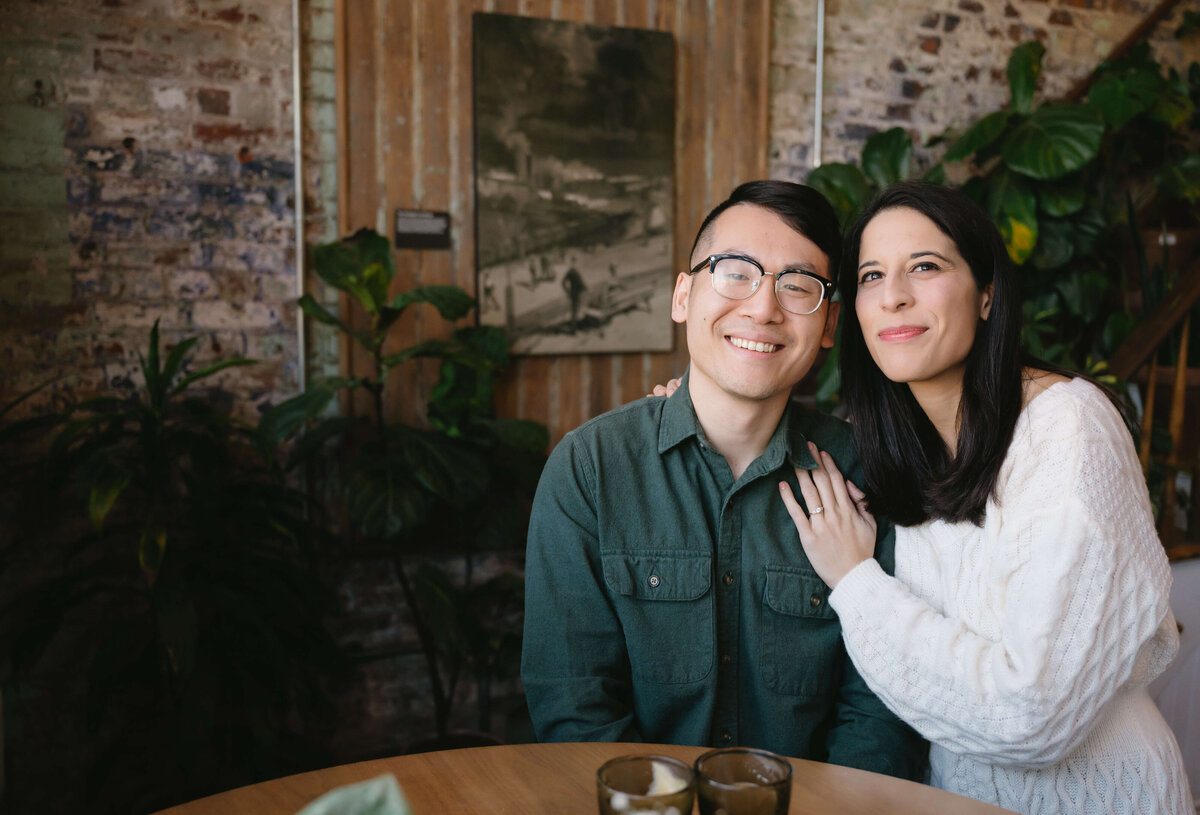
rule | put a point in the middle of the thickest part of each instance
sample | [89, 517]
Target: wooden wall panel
[406, 142]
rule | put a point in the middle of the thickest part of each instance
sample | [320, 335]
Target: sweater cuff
[859, 587]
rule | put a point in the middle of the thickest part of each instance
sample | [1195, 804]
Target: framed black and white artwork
[574, 179]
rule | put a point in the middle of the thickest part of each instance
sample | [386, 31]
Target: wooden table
[560, 779]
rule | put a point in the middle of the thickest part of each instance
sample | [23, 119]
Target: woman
[1029, 610]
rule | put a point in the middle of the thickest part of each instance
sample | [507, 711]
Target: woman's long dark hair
[911, 475]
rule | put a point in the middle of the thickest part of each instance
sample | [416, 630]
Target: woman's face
[917, 301]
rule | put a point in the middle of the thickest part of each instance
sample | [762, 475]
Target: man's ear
[831, 321]
[985, 305]
[679, 300]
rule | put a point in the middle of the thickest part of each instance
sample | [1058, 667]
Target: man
[667, 596]
[574, 287]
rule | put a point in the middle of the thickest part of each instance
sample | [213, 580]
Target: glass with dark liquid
[743, 781]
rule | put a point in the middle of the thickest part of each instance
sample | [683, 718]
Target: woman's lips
[901, 333]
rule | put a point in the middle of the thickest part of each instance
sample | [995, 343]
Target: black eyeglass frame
[828, 287]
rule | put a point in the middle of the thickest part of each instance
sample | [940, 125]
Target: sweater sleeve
[1074, 576]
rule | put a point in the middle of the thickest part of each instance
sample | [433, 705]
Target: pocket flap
[662, 576]
[798, 593]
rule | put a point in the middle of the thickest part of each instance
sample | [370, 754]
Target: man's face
[752, 349]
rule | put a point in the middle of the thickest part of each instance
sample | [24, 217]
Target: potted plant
[1069, 185]
[162, 563]
[437, 494]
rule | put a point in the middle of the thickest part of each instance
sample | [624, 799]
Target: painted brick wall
[930, 66]
[145, 173]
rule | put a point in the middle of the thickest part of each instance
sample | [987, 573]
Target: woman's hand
[667, 389]
[838, 533]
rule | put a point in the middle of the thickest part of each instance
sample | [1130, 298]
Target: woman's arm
[1076, 580]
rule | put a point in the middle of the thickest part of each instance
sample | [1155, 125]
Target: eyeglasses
[738, 278]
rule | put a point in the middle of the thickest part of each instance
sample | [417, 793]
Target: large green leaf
[208, 371]
[1024, 68]
[519, 434]
[1088, 228]
[104, 493]
[360, 265]
[281, 420]
[979, 135]
[382, 498]
[1118, 326]
[1062, 196]
[451, 302]
[489, 341]
[845, 186]
[1172, 104]
[886, 156]
[1181, 178]
[1054, 245]
[439, 349]
[1054, 141]
[1013, 206]
[1120, 97]
[1083, 293]
[318, 312]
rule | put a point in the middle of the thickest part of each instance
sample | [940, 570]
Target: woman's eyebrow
[913, 256]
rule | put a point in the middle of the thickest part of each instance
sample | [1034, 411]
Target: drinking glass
[645, 784]
[743, 781]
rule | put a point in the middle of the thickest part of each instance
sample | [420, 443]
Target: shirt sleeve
[573, 663]
[1076, 579]
[867, 735]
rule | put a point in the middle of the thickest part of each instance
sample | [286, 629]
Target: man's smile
[751, 345]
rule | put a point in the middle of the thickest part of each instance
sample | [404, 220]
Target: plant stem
[441, 706]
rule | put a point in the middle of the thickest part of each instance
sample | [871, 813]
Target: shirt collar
[679, 422]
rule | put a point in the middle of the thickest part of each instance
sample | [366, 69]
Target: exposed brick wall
[145, 173]
[929, 67]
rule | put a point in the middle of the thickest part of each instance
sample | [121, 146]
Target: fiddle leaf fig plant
[456, 486]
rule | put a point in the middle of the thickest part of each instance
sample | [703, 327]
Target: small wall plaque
[421, 229]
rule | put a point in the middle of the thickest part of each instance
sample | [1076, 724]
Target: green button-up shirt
[667, 602]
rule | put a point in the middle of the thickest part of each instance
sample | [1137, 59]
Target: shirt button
[726, 659]
[654, 581]
[815, 600]
[728, 578]
[726, 738]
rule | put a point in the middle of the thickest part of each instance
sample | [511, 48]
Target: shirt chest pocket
[802, 648]
[665, 605]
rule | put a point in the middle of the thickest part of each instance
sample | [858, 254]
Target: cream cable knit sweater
[1022, 649]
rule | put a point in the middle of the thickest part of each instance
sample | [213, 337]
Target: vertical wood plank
[721, 58]
[399, 73]
[431, 170]
[756, 100]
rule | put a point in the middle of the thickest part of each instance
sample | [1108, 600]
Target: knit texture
[1022, 649]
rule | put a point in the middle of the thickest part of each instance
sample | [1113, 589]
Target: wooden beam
[1155, 326]
[1135, 36]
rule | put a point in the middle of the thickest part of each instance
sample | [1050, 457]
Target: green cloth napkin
[377, 796]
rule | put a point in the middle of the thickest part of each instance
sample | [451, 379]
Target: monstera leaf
[1065, 196]
[1013, 207]
[1054, 141]
[887, 155]
[845, 186]
[1024, 68]
[979, 135]
[1121, 97]
[1182, 178]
